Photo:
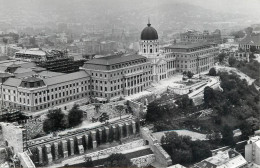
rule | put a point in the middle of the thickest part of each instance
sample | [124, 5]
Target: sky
[233, 6]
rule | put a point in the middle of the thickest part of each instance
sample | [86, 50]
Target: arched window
[144, 50]
[151, 50]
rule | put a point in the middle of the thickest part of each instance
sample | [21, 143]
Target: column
[64, 148]
[39, 150]
[48, 153]
[100, 135]
[86, 139]
[127, 129]
[71, 146]
[80, 145]
[93, 136]
[56, 152]
[134, 127]
[115, 133]
[107, 134]
[120, 127]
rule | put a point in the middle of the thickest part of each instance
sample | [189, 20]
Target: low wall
[117, 149]
[161, 156]
[144, 161]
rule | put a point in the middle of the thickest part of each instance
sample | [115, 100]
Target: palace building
[194, 57]
[35, 93]
[118, 75]
[106, 78]
[185, 56]
[149, 47]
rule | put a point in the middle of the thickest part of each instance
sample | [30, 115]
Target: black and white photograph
[130, 83]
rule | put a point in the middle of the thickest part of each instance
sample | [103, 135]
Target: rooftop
[13, 82]
[189, 45]
[65, 77]
[115, 59]
[251, 39]
[33, 51]
[31, 79]
[229, 158]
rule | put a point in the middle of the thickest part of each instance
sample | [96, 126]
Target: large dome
[149, 33]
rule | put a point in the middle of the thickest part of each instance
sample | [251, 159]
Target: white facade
[252, 150]
[160, 66]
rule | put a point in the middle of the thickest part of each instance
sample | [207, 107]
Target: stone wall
[144, 161]
[14, 136]
[45, 151]
[161, 155]
[25, 160]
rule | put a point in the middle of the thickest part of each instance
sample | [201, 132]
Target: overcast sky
[241, 6]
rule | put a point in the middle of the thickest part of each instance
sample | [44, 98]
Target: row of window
[128, 84]
[60, 95]
[190, 56]
[122, 72]
[122, 65]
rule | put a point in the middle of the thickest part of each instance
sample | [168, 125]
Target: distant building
[241, 56]
[223, 159]
[31, 55]
[256, 30]
[250, 42]
[12, 49]
[252, 150]
[196, 36]
[54, 60]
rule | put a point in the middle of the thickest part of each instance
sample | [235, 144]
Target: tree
[221, 57]
[184, 73]
[120, 108]
[117, 160]
[253, 49]
[249, 30]
[55, 121]
[32, 41]
[184, 102]
[227, 136]
[212, 72]
[5, 41]
[75, 116]
[190, 74]
[232, 61]
[88, 161]
[104, 117]
[208, 95]
[200, 151]
[183, 150]
[153, 111]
